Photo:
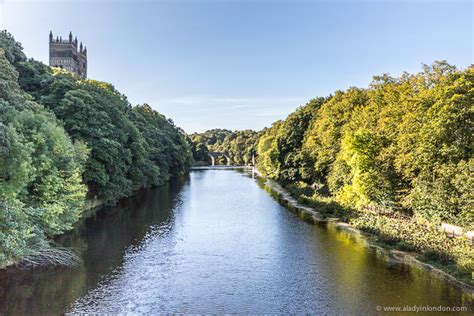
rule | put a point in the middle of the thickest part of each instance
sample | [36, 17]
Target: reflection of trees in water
[100, 241]
[356, 265]
[42, 291]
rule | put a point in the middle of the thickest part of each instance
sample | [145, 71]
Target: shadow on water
[101, 241]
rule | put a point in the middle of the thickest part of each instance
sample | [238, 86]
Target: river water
[217, 242]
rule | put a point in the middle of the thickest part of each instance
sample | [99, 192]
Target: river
[217, 242]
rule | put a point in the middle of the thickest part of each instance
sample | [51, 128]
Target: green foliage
[395, 159]
[445, 193]
[12, 49]
[55, 187]
[403, 145]
[239, 146]
[267, 162]
[15, 161]
[17, 232]
[280, 148]
[412, 236]
[168, 150]
[41, 191]
[323, 137]
[130, 148]
[35, 78]
[63, 139]
[199, 148]
[98, 117]
[289, 141]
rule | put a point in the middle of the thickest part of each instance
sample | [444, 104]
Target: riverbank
[387, 234]
[66, 145]
[218, 243]
[53, 253]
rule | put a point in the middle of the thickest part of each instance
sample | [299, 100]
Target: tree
[41, 189]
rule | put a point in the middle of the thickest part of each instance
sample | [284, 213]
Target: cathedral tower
[66, 54]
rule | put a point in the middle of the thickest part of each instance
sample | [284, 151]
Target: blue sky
[244, 64]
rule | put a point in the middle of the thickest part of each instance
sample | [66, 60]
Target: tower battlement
[67, 54]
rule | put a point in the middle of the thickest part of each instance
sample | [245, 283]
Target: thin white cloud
[202, 112]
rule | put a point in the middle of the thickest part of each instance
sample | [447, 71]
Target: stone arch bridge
[215, 155]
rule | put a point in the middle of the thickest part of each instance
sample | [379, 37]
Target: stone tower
[65, 53]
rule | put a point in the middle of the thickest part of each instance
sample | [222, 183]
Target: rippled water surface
[217, 243]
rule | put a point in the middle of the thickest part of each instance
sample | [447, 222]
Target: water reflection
[101, 241]
[219, 243]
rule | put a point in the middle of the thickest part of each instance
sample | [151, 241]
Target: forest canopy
[239, 146]
[66, 141]
[403, 146]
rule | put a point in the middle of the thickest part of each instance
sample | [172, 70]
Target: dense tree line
[239, 146]
[65, 141]
[402, 145]
[394, 160]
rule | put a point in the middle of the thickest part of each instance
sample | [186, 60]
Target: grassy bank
[395, 231]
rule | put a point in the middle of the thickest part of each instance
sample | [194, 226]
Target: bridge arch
[214, 155]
